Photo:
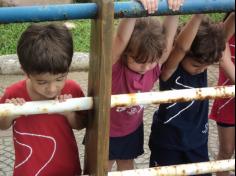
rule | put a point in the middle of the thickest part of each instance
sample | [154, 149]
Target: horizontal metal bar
[122, 10]
[48, 13]
[86, 103]
[172, 96]
[185, 169]
[132, 9]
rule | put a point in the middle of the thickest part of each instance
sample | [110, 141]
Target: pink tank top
[125, 120]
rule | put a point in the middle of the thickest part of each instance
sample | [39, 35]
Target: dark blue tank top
[181, 126]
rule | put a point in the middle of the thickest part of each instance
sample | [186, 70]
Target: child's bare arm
[170, 25]
[126, 28]
[6, 122]
[82, 120]
[181, 47]
[122, 37]
[77, 120]
[230, 26]
[227, 65]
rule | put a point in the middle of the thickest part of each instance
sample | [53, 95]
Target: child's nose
[203, 69]
[146, 67]
[52, 88]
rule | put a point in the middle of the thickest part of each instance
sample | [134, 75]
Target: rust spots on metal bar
[184, 95]
[44, 110]
[171, 100]
[121, 100]
[131, 100]
[5, 113]
[220, 93]
[181, 170]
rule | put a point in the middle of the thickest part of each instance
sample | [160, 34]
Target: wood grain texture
[99, 87]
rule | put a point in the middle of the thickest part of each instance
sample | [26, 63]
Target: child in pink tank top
[139, 49]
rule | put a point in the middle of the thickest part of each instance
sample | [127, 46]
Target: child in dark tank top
[180, 130]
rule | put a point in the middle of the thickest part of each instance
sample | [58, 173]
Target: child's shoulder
[73, 88]
[118, 65]
[17, 89]
[72, 84]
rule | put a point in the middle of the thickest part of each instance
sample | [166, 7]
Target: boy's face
[46, 86]
[193, 67]
[139, 67]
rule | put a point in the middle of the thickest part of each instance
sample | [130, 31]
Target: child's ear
[26, 74]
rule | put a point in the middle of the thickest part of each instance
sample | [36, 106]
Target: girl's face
[193, 67]
[46, 86]
[140, 68]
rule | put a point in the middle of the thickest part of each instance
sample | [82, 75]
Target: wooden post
[97, 133]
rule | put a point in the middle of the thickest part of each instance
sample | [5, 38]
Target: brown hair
[147, 42]
[209, 43]
[45, 48]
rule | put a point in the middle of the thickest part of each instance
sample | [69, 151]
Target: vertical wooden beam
[97, 133]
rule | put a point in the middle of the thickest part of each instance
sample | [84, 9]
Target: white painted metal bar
[173, 96]
[86, 103]
[185, 169]
[46, 107]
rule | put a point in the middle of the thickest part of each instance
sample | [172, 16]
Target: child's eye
[196, 66]
[42, 83]
[60, 79]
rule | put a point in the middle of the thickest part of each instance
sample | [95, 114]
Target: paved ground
[6, 148]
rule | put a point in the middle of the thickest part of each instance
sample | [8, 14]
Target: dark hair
[209, 43]
[45, 48]
[147, 42]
